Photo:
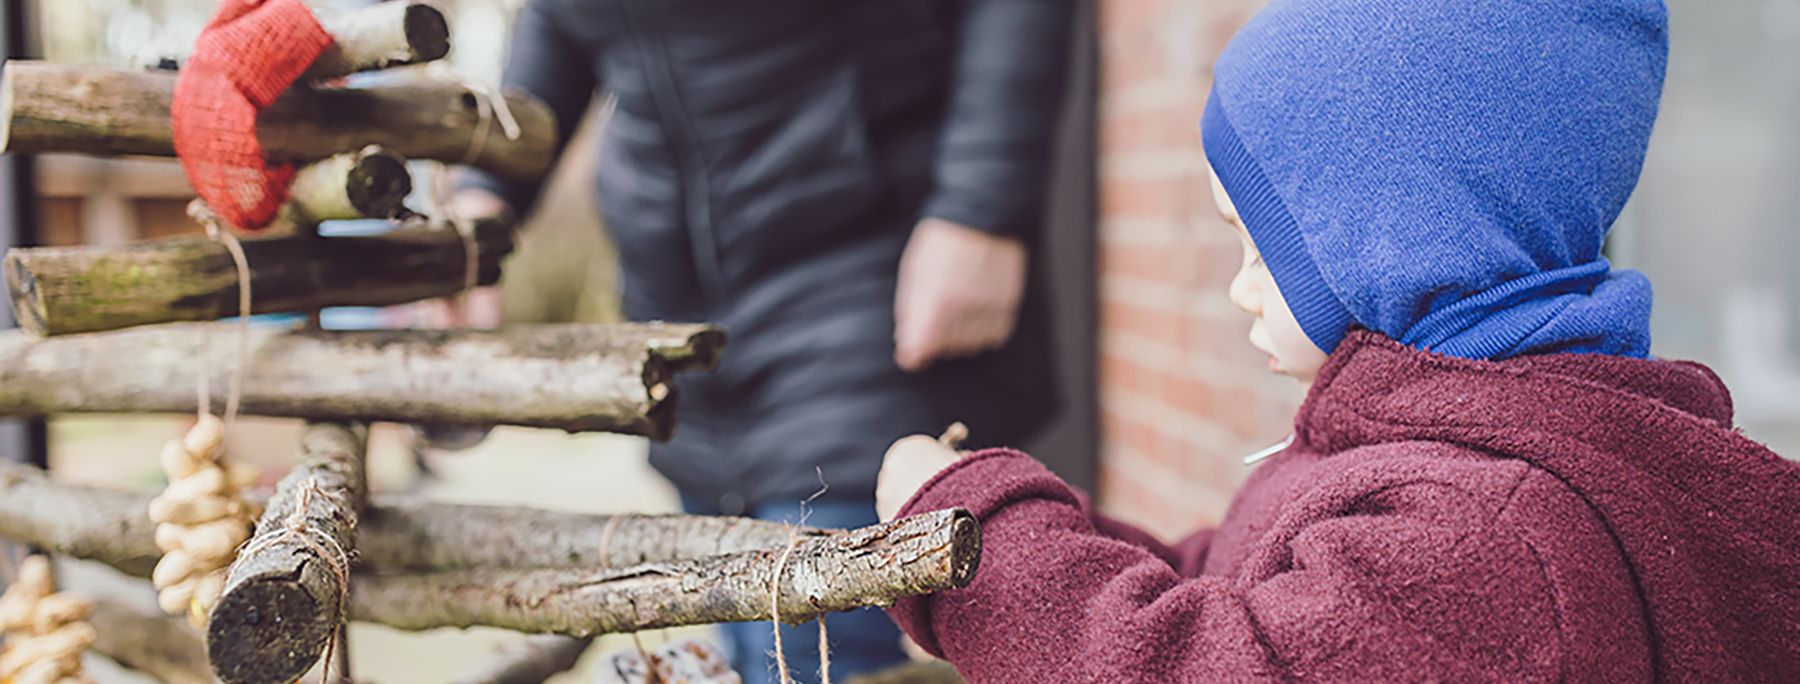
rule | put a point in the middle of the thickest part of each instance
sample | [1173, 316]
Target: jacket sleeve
[1009, 76]
[548, 63]
[1186, 556]
[1403, 584]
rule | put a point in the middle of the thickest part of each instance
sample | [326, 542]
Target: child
[1490, 480]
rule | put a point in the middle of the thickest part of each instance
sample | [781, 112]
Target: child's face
[1275, 331]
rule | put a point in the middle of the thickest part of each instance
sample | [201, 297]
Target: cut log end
[965, 544]
[245, 644]
[699, 351]
[378, 185]
[29, 310]
[382, 36]
[7, 84]
[427, 32]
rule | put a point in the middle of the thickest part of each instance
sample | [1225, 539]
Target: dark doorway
[1071, 446]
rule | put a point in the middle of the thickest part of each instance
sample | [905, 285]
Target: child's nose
[1244, 294]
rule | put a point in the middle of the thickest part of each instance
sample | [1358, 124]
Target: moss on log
[67, 290]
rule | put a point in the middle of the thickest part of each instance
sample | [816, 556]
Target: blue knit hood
[1444, 173]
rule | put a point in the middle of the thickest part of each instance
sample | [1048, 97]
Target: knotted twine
[295, 528]
[781, 665]
[489, 110]
[202, 516]
[44, 630]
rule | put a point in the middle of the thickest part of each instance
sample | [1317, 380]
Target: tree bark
[89, 110]
[381, 36]
[155, 644]
[571, 377]
[394, 535]
[285, 593]
[871, 566]
[92, 523]
[368, 183]
[826, 572]
[531, 661]
[424, 538]
[64, 290]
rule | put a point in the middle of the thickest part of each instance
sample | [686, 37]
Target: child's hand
[908, 464]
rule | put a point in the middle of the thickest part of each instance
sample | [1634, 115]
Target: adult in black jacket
[851, 188]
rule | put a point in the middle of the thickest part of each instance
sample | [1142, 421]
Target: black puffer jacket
[762, 168]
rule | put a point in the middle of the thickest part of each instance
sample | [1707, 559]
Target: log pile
[134, 329]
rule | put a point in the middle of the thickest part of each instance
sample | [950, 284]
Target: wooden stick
[92, 523]
[66, 290]
[393, 536]
[826, 572]
[368, 183]
[285, 593]
[415, 537]
[62, 290]
[381, 36]
[570, 377]
[537, 658]
[88, 110]
[155, 644]
[871, 566]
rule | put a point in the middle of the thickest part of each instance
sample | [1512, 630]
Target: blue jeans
[862, 641]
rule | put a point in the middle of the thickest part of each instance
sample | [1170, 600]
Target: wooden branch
[381, 36]
[163, 647]
[570, 377]
[537, 658]
[423, 537]
[368, 183]
[285, 593]
[88, 110]
[92, 523]
[825, 572]
[65, 290]
[871, 566]
[393, 536]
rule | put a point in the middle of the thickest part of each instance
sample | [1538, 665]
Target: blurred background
[1164, 393]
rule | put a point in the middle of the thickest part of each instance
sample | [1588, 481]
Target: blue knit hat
[1444, 173]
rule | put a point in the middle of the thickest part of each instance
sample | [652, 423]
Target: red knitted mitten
[247, 55]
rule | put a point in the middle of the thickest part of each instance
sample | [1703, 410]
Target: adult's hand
[958, 293]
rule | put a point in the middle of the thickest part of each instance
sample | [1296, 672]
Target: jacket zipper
[696, 194]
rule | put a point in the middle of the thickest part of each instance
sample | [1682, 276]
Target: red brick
[1160, 129]
[1144, 197]
[1171, 430]
[1144, 322]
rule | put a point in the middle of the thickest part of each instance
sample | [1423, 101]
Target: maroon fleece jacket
[1578, 518]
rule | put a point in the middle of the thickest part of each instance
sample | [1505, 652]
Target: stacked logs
[130, 329]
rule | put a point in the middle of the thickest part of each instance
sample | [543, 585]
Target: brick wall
[1182, 394]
